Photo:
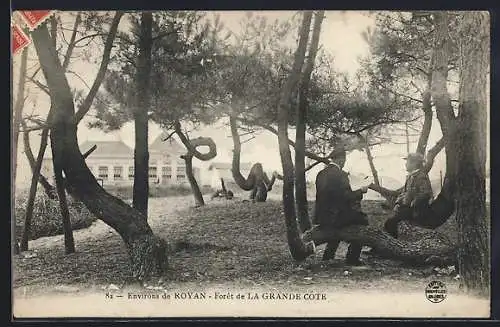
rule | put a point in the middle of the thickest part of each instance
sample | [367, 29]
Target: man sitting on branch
[337, 205]
[414, 198]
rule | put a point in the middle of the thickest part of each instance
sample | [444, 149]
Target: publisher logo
[435, 291]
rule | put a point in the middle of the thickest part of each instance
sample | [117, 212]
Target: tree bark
[430, 248]
[474, 254]
[148, 252]
[298, 248]
[32, 192]
[465, 141]
[141, 152]
[300, 133]
[18, 110]
[48, 188]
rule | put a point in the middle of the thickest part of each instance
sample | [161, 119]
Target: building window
[103, 172]
[130, 172]
[181, 173]
[153, 172]
[166, 172]
[118, 172]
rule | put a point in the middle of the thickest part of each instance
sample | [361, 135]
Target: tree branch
[72, 43]
[85, 107]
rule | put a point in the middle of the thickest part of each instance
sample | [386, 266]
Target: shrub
[125, 192]
[47, 220]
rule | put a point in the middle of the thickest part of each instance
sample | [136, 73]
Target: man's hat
[415, 157]
[338, 152]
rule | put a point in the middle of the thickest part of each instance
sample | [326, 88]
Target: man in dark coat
[337, 205]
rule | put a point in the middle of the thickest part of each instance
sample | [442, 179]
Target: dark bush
[47, 219]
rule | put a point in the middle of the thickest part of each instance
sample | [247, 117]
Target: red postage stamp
[19, 39]
[34, 18]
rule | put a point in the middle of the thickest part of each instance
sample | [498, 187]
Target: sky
[340, 36]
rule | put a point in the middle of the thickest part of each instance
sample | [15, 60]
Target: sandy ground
[383, 297]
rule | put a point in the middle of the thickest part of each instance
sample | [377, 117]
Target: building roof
[227, 165]
[169, 146]
[107, 149]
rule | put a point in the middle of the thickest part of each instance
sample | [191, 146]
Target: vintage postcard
[250, 164]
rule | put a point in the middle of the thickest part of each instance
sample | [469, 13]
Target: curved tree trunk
[18, 110]
[141, 152]
[246, 184]
[257, 181]
[191, 146]
[298, 248]
[300, 135]
[147, 251]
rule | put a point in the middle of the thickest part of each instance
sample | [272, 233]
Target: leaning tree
[148, 252]
[87, 24]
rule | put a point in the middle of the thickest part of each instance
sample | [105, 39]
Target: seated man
[413, 199]
[337, 205]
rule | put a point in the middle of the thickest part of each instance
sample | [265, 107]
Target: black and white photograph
[272, 163]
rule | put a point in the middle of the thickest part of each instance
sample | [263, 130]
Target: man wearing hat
[337, 205]
[414, 196]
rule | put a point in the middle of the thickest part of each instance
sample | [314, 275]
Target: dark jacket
[336, 203]
[417, 190]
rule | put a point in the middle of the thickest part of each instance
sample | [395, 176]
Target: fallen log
[431, 247]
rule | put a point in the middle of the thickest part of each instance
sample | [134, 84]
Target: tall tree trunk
[300, 135]
[427, 109]
[57, 161]
[366, 146]
[147, 251]
[298, 248]
[191, 146]
[465, 141]
[32, 192]
[48, 188]
[441, 98]
[474, 254]
[141, 152]
[18, 111]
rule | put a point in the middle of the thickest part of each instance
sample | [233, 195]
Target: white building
[112, 162]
